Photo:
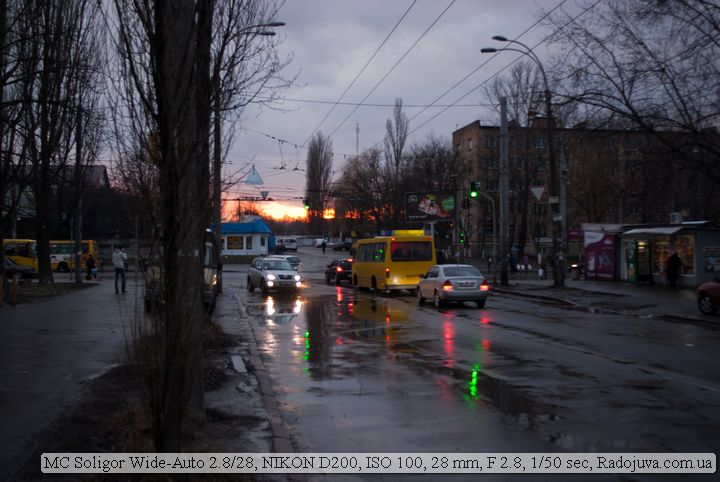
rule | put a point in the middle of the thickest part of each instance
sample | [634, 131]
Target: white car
[289, 243]
[453, 282]
[272, 273]
[293, 260]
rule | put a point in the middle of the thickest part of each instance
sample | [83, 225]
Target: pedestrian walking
[91, 268]
[119, 259]
[323, 245]
[673, 268]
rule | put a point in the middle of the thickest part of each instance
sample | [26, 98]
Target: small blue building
[249, 237]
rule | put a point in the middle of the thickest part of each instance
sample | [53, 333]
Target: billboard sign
[430, 206]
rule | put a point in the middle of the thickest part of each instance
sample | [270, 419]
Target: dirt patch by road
[111, 416]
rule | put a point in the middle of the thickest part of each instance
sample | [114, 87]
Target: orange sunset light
[277, 210]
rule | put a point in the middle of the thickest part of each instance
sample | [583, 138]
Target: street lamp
[558, 257]
[217, 140]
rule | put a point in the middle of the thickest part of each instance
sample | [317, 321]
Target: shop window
[685, 246]
[660, 254]
[235, 242]
[262, 241]
[248, 242]
[711, 260]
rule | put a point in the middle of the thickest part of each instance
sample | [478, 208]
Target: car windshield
[277, 264]
[345, 264]
[293, 259]
[461, 271]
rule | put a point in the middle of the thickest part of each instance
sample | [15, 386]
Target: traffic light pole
[504, 194]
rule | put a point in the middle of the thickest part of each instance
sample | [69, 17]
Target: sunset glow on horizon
[276, 210]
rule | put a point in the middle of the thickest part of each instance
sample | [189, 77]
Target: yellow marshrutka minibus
[392, 262]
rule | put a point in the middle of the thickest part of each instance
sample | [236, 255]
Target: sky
[331, 41]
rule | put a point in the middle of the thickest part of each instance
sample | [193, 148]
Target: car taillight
[339, 269]
[485, 286]
[387, 272]
[447, 286]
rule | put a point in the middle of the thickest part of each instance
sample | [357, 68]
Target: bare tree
[655, 65]
[165, 51]
[396, 132]
[57, 61]
[318, 179]
[245, 68]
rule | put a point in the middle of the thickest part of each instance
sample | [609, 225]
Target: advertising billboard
[429, 206]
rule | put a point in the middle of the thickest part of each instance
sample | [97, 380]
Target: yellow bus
[22, 251]
[62, 255]
[392, 262]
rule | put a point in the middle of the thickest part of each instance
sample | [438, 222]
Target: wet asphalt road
[354, 372]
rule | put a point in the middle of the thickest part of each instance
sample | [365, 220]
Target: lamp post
[217, 140]
[558, 256]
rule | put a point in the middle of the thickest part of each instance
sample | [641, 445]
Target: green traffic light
[473, 194]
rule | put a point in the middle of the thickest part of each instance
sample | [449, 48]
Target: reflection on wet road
[359, 372]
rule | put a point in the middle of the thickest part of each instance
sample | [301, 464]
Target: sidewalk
[647, 301]
[49, 351]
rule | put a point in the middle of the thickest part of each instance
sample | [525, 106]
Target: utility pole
[357, 139]
[78, 198]
[504, 194]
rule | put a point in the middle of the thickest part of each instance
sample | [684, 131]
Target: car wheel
[250, 286]
[436, 299]
[480, 303]
[420, 298]
[705, 305]
[327, 279]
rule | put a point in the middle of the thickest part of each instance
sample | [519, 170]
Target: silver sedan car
[453, 282]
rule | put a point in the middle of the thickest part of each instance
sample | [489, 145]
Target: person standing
[119, 259]
[91, 268]
[323, 246]
[673, 268]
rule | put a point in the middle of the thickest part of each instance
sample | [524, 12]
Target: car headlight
[297, 277]
[271, 277]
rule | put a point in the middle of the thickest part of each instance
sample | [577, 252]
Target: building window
[539, 164]
[235, 242]
[539, 142]
[492, 163]
[492, 185]
[470, 144]
[490, 141]
[458, 148]
[608, 144]
[262, 241]
[248, 242]
[632, 144]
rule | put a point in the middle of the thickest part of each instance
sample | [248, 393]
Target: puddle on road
[335, 338]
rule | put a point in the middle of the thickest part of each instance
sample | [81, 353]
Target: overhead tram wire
[368, 104]
[394, 66]
[337, 102]
[501, 70]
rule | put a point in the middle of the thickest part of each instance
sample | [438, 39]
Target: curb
[281, 441]
[562, 301]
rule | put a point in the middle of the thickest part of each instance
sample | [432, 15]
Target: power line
[393, 67]
[366, 104]
[504, 68]
[361, 71]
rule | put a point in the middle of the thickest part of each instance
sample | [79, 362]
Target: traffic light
[462, 237]
[474, 188]
[306, 203]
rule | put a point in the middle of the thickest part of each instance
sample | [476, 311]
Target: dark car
[337, 271]
[343, 246]
[708, 297]
[22, 272]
